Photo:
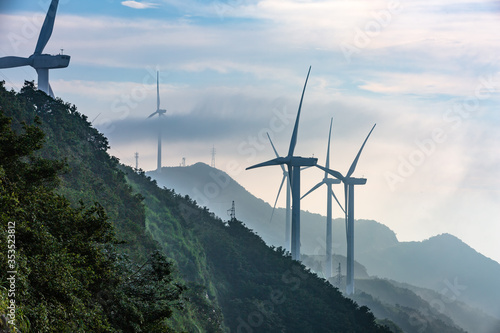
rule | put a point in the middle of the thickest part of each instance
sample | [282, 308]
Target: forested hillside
[100, 248]
[442, 263]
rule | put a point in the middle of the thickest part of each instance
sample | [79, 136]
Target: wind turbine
[160, 112]
[294, 163]
[329, 194]
[288, 190]
[41, 62]
[349, 183]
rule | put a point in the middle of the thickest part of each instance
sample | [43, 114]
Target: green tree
[65, 255]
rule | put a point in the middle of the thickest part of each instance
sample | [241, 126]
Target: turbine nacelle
[159, 112]
[355, 181]
[48, 61]
[331, 181]
[303, 161]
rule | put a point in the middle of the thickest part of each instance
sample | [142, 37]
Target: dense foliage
[64, 269]
[101, 248]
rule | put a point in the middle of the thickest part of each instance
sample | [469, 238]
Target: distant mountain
[414, 309]
[216, 190]
[442, 263]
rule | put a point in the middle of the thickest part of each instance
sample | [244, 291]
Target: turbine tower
[41, 62]
[160, 112]
[288, 190]
[329, 194]
[294, 163]
[349, 183]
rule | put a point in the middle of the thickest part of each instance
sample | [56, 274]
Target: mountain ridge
[433, 263]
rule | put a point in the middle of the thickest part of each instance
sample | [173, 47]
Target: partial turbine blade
[340, 205]
[353, 165]
[275, 161]
[152, 114]
[327, 165]
[276, 201]
[275, 152]
[293, 142]
[314, 188]
[157, 92]
[47, 27]
[334, 173]
[10, 62]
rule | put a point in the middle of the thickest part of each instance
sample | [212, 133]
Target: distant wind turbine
[288, 191]
[349, 183]
[294, 163]
[41, 62]
[160, 112]
[329, 195]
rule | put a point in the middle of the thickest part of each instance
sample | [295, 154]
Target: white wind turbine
[349, 183]
[329, 195]
[41, 62]
[294, 164]
[160, 113]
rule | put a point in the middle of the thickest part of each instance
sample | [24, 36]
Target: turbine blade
[290, 179]
[152, 114]
[10, 62]
[334, 173]
[353, 165]
[276, 201]
[275, 161]
[275, 152]
[293, 142]
[340, 205]
[327, 164]
[157, 92]
[314, 188]
[47, 27]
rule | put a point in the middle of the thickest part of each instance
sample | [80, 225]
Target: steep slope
[442, 263]
[79, 266]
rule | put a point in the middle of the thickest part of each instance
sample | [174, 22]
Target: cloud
[139, 5]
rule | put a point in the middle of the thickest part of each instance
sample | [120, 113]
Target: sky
[426, 72]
